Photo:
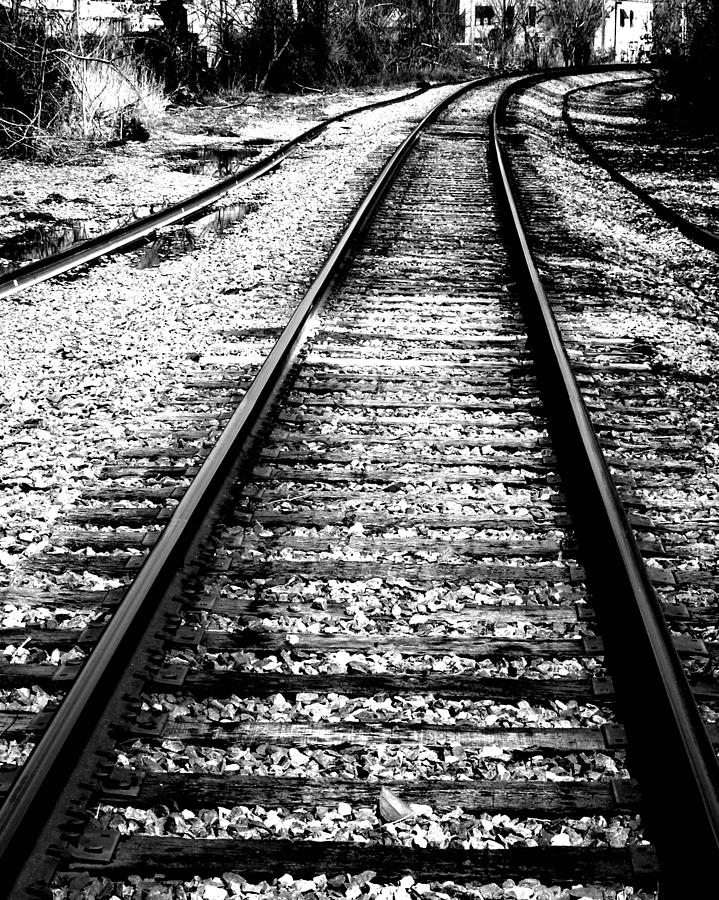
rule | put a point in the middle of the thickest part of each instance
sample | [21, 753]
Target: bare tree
[531, 24]
[573, 24]
[32, 88]
[510, 16]
[505, 31]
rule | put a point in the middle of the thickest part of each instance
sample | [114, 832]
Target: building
[489, 15]
[624, 35]
[501, 32]
[91, 17]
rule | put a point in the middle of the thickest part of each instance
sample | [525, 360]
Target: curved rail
[707, 239]
[126, 235]
[675, 761]
[42, 778]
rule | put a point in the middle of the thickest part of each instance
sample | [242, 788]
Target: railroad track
[376, 593]
[617, 327]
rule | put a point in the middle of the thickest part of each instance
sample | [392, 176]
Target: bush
[291, 44]
[357, 49]
[56, 91]
[104, 95]
[686, 46]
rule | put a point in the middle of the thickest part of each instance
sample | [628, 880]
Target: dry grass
[106, 91]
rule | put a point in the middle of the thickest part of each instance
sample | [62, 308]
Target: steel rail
[126, 235]
[40, 781]
[668, 742]
[708, 239]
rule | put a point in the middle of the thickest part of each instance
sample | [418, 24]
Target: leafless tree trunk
[574, 24]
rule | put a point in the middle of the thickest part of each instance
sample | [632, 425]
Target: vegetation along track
[391, 601]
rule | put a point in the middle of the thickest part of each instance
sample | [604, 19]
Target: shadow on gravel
[39, 241]
[179, 240]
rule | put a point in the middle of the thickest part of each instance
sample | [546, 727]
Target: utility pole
[605, 16]
[75, 23]
[470, 16]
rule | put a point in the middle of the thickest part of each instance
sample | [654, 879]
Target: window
[631, 18]
[483, 15]
[532, 16]
[622, 18]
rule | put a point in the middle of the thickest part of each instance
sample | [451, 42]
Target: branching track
[373, 592]
[127, 236]
[703, 236]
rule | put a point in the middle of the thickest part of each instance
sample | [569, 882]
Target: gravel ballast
[90, 357]
[634, 277]
[116, 354]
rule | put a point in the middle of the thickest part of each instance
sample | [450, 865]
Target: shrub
[56, 91]
[104, 94]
